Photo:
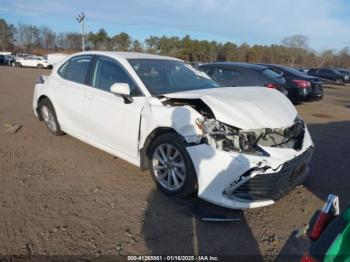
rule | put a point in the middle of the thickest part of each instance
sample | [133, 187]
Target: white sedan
[237, 147]
[32, 61]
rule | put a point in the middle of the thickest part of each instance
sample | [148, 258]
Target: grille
[275, 185]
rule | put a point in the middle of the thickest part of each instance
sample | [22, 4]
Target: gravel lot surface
[59, 196]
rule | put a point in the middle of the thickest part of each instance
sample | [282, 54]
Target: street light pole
[81, 19]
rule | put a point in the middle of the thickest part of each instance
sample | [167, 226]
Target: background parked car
[344, 71]
[301, 69]
[2, 59]
[301, 87]
[244, 74]
[325, 238]
[9, 59]
[32, 61]
[330, 74]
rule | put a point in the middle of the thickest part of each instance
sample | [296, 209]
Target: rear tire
[171, 166]
[48, 115]
[18, 64]
[40, 66]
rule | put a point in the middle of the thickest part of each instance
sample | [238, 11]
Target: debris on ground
[12, 128]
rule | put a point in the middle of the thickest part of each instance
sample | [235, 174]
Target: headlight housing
[228, 138]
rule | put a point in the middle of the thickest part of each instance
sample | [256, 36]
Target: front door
[112, 122]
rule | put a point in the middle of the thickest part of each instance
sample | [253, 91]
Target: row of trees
[292, 50]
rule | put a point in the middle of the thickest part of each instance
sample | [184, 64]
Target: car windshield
[170, 76]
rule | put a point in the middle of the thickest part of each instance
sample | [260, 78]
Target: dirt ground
[59, 196]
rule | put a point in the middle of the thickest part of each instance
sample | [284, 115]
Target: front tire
[171, 166]
[48, 115]
[40, 66]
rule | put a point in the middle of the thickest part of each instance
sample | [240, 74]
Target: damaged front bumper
[238, 180]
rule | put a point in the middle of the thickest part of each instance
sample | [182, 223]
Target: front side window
[107, 72]
[168, 76]
[77, 69]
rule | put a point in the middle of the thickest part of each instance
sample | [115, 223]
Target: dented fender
[179, 118]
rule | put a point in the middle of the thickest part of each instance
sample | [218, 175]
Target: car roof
[128, 55]
[290, 70]
[238, 64]
[275, 65]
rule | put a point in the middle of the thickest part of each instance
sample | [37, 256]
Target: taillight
[302, 83]
[307, 258]
[328, 212]
[272, 85]
[320, 225]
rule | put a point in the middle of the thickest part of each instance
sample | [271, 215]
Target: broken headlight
[227, 138]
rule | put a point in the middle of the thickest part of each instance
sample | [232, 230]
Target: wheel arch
[144, 153]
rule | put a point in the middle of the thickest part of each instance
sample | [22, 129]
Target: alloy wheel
[169, 167]
[49, 118]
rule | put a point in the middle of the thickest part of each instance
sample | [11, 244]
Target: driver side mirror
[122, 89]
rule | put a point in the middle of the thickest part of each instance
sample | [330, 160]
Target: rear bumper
[297, 95]
[316, 97]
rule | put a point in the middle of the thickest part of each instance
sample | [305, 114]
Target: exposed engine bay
[228, 138]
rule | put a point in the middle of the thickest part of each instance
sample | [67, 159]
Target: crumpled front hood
[245, 107]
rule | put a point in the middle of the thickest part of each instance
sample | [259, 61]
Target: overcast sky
[325, 22]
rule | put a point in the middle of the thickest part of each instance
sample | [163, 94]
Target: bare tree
[48, 37]
[296, 45]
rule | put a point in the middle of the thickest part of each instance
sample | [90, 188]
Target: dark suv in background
[330, 74]
[2, 59]
[343, 71]
[301, 87]
[244, 74]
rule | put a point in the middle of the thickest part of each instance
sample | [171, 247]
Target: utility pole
[3, 37]
[81, 19]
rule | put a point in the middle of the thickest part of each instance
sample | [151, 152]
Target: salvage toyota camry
[235, 147]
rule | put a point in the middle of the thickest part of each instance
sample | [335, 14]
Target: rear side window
[222, 74]
[270, 73]
[63, 69]
[206, 70]
[77, 69]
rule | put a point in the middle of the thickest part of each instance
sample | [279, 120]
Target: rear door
[69, 94]
[112, 122]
